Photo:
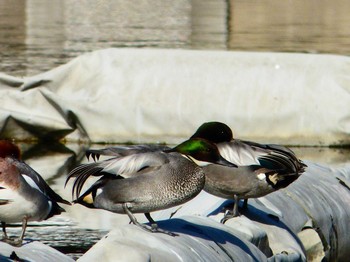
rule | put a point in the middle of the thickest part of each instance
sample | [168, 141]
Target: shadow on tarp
[216, 234]
[258, 213]
[210, 230]
[319, 197]
[255, 214]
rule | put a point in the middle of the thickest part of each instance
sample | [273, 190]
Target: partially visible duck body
[24, 194]
[262, 168]
[143, 179]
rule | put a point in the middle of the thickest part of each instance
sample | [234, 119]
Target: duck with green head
[262, 168]
[143, 179]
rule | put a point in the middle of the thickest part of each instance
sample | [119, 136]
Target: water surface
[38, 35]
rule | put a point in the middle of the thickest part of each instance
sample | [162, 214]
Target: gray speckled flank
[171, 184]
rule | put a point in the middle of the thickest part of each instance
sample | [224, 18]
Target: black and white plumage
[24, 194]
[262, 168]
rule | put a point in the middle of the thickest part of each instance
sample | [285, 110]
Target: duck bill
[222, 161]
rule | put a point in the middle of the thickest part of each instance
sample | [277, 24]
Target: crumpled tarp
[153, 95]
[278, 227]
[31, 251]
[307, 221]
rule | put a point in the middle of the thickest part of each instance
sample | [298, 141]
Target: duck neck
[197, 162]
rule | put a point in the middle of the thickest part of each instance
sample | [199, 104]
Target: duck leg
[231, 214]
[16, 242]
[4, 236]
[131, 216]
[235, 207]
[24, 227]
[154, 227]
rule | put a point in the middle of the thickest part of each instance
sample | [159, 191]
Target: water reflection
[38, 35]
[317, 26]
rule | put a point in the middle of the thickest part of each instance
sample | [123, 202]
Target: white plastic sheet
[152, 95]
[31, 251]
[316, 204]
[277, 227]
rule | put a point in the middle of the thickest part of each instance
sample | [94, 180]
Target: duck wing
[269, 156]
[119, 151]
[279, 157]
[36, 181]
[298, 164]
[119, 167]
[240, 153]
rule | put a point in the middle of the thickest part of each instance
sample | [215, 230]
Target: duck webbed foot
[17, 242]
[11, 241]
[228, 215]
[153, 228]
[5, 238]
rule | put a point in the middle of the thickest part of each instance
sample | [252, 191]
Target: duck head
[216, 132]
[202, 150]
[8, 149]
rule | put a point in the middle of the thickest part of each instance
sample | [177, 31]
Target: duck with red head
[24, 194]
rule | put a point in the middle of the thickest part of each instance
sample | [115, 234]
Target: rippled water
[38, 35]
[61, 234]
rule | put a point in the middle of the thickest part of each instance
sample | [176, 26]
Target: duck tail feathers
[55, 210]
[81, 174]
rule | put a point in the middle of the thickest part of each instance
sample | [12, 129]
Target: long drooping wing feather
[119, 151]
[240, 153]
[122, 167]
[272, 157]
